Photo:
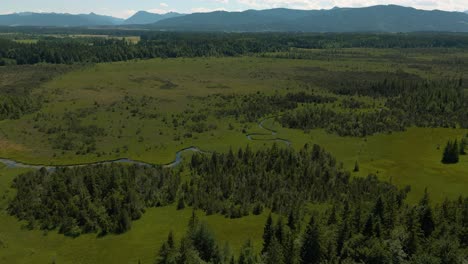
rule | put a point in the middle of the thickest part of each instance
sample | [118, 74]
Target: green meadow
[147, 111]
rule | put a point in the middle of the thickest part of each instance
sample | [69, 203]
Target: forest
[65, 50]
[422, 104]
[103, 199]
[367, 220]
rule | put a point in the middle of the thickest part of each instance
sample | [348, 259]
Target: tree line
[49, 49]
[423, 103]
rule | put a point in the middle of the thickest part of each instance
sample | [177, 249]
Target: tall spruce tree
[426, 218]
[168, 252]
[274, 253]
[247, 254]
[451, 153]
[311, 251]
[268, 233]
[356, 167]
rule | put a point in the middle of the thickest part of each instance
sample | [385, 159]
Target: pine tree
[356, 167]
[168, 252]
[451, 153]
[311, 251]
[274, 253]
[378, 210]
[268, 233]
[280, 232]
[426, 218]
[204, 243]
[247, 255]
[368, 229]
[292, 221]
[180, 203]
[332, 218]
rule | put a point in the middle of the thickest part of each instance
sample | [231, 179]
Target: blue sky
[126, 8]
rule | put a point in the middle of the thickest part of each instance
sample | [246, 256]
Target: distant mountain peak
[57, 20]
[144, 17]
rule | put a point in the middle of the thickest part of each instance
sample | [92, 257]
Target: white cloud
[206, 10]
[125, 13]
[163, 4]
[158, 10]
[319, 4]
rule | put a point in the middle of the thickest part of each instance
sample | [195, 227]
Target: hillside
[57, 20]
[143, 17]
[389, 18]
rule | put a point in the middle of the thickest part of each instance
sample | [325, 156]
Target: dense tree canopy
[55, 50]
[103, 198]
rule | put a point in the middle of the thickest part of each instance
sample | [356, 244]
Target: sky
[126, 8]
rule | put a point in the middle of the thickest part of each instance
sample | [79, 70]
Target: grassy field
[135, 104]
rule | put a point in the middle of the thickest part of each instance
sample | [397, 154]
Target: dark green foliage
[278, 178]
[274, 253]
[426, 218]
[358, 124]
[311, 251]
[171, 44]
[168, 252]
[247, 254]
[197, 246]
[451, 153]
[420, 103]
[268, 233]
[104, 198]
[180, 203]
[356, 167]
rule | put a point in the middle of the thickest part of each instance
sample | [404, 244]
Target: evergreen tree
[280, 232]
[247, 254]
[168, 252]
[268, 233]
[292, 221]
[426, 218]
[451, 153]
[180, 203]
[204, 243]
[274, 253]
[311, 251]
[356, 167]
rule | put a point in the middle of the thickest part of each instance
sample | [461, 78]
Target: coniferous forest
[368, 221]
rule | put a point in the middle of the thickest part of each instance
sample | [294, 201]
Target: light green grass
[407, 158]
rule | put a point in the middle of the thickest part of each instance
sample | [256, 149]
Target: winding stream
[178, 157]
[273, 132]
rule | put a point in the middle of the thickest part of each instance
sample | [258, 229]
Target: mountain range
[388, 18]
[143, 17]
[382, 18]
[58, 20]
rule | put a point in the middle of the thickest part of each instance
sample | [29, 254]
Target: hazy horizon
[126, 8]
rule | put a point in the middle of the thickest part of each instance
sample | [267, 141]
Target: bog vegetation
[320, 135]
